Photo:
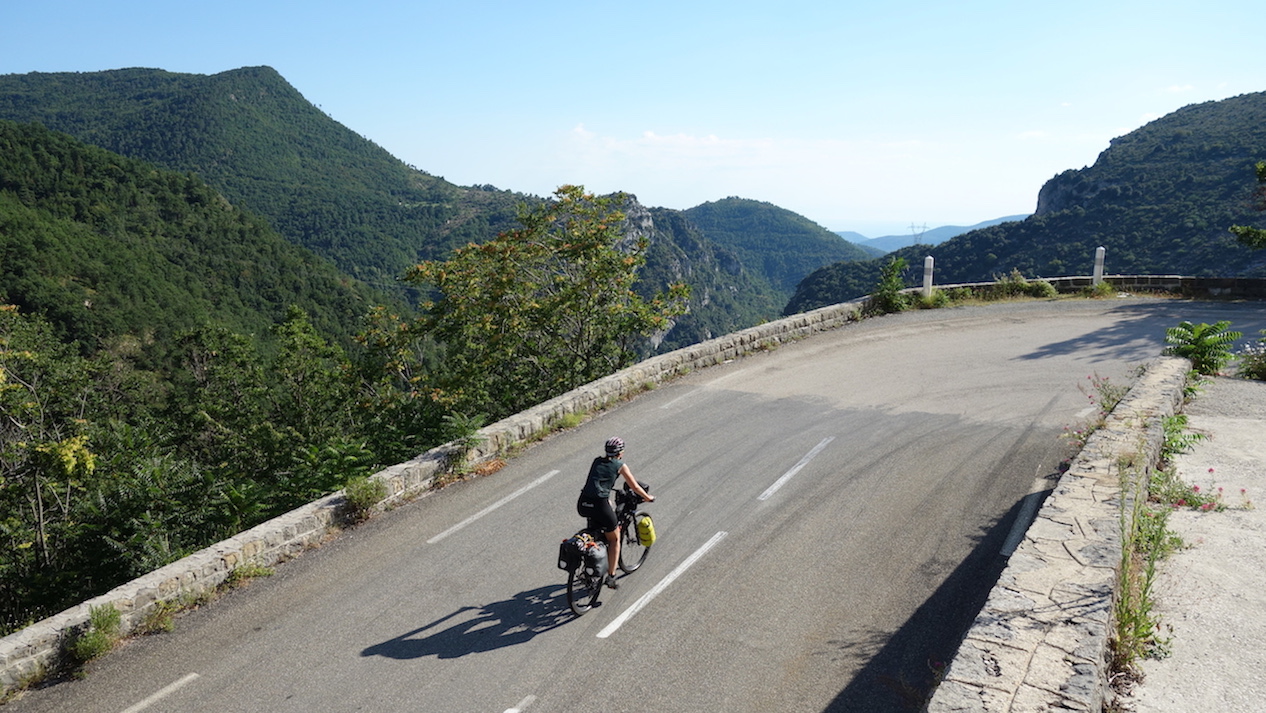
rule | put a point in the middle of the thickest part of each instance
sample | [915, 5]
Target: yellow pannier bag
[645, 530]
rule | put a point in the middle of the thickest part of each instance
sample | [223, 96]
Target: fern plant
[463, 432]
[1208, 346]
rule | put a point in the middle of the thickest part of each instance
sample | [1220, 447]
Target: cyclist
[595, 499]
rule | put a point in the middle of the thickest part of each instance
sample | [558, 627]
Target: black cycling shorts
[598, 511]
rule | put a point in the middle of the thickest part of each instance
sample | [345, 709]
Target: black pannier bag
[571, 553]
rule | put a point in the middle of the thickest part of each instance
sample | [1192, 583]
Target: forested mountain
[110, 248]
[725, 294]
[253, 137]
[774, 242]
[1159, 199]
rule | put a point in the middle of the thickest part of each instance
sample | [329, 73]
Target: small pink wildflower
[1195, 488]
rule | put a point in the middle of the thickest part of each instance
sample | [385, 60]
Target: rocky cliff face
[638, 223]
[1072, 189]
[724, 295]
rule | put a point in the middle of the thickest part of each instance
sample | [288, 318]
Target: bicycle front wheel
[632, 552]
[582, 590]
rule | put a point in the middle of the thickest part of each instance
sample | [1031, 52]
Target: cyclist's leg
[613, 550]
[604, 516]
[601, 518]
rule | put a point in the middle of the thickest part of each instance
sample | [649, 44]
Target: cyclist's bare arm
[637, 488]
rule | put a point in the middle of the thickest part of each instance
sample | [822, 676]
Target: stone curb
[28, 654]
[1040, 643]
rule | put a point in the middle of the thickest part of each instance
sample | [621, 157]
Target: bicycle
[584, 555]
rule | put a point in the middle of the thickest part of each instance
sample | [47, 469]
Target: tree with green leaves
[1254, 237]
[889, 295]
[540, 309]
[47, 465]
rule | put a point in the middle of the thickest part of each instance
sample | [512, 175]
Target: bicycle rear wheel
[582, 590]
[632, 552]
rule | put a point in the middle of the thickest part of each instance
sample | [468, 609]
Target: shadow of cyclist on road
[472, 630]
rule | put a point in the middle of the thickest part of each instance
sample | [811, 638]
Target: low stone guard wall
[1197, 287]
[1229, 288]
[28, 653]
[1041, 641]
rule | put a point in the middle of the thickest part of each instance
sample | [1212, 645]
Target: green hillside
[106, 247]
[774, 242]
[252, 136]
[725, 294]
[1159, 199]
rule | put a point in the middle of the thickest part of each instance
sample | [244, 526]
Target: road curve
[830, 517]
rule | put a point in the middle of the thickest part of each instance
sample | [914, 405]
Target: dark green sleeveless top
[602, 475]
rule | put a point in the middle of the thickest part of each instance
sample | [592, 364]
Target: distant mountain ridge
[252, 136]
[935, 236]
[1160, 200]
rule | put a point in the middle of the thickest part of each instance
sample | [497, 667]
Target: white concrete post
[1098, 277]
[927, 277]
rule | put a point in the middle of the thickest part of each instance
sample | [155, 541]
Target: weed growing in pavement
[1146, 539]
[463, 432]
[569, 421]
[1252, 360]
[161, 619]
[1167, 489]
[98, 637]
[1147, 499]
[1105, 396]
[1016, 285]
[936, 300]
[1196, 382]
[241, 576]
[24, 683]
[363, 494]
[1103, 290]
[1177, 439]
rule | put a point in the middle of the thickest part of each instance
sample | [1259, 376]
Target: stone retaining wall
[1250, 288]
[27, 654]
[1041, 641]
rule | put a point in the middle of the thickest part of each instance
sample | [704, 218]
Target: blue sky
[871, 116]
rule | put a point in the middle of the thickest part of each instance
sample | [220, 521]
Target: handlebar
[627, 494]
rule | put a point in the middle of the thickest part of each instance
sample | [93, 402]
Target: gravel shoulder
[1211, 596]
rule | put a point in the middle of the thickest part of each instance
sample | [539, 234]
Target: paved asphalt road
[830, 514]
